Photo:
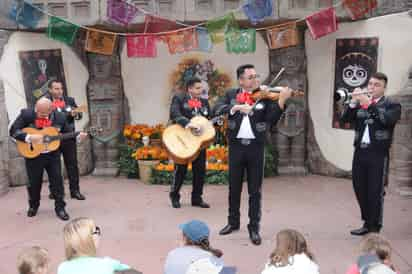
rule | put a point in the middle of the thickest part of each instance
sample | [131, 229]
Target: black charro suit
[68, 147]
[46, 161]
[246, 154]
[371, 159]
[181, 113]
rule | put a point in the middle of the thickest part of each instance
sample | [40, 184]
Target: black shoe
[255, 237]
[175, 201]
[51, 196]
[360, 231]
[200, 203]
[77, 195]
[32, 212]
[62, 214]
[374, 230]
[228, 229]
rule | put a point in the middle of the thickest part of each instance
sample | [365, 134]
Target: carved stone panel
[105, 89]
[104, 66]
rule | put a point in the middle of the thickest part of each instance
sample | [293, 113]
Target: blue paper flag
[257, 10]
[204, 40]
[25, 14]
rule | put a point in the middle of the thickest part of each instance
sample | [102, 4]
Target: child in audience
[291, 255]
[374, 249]
[33, 260]
[81, 241]
[196, 253]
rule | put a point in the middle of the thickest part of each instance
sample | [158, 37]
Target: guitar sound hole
[31, 147]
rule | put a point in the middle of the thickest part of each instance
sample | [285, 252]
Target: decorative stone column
[4, 179]
[106, 101]
[290, 135]
[401, 153]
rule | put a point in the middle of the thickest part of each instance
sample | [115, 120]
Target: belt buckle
[245, 142]
[364, 145]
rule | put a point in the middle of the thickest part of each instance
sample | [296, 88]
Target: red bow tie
[42, 122]
[195, 103]
[245, 98]
[58, 103]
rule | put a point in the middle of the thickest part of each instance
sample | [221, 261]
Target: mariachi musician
[185, 106]
[68, 147]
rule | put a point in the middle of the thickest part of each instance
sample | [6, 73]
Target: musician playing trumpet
[248, 122]
[185, 106]
[374, 117]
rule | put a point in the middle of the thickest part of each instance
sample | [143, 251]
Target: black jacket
[180, 111]
[27, 118]
[381, 118]
[70, 104]
[265, 113]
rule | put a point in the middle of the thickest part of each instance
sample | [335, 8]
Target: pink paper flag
[141, 46]
[322, 23]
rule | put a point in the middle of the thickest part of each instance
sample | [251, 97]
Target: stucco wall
[76, 73]
[146, 80]
[394, 58]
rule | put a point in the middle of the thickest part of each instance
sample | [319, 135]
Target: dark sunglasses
[97, 231]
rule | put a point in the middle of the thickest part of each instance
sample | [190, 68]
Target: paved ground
[139, 227]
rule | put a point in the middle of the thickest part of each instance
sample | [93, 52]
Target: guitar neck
[64, 136]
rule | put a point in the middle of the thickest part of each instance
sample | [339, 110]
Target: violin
[272, 93]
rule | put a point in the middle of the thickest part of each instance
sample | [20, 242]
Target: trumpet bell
[341, 95]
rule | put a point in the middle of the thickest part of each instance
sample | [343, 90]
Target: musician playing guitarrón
[68, 147]
[42, 116]
[248, 122]
[184, 107]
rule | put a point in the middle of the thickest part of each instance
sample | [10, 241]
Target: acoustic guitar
[185, 144]
[51, 140]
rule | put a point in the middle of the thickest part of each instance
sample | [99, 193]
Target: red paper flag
[322, 23]
[141, 46]
[182, 41]
[358, 8]
[155, 24]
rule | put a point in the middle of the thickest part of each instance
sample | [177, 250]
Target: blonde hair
[289, 242]
[376, 244]
[78, 238]
[32, 259]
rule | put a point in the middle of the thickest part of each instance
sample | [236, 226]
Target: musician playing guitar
[184, 107]
[248, 121]
[68, 148]
[42, 116]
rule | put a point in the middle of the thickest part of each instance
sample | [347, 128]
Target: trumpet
[342, 95]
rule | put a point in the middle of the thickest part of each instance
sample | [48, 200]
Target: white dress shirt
[366, 139]
[245, 130]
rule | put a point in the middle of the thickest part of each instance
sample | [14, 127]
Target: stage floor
[139, 227]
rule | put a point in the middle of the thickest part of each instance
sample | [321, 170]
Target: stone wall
[4, 180]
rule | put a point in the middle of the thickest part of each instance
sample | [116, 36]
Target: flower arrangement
[135, 133]
[214, 81]
[150, 153]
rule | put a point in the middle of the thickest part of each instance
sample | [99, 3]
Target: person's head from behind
[247, 77]
[194, 87]
[374, 243]
[33, 260]
[81, 238]
[196, 233]
[289, 242]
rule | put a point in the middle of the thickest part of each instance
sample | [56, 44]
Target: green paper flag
[217, 27]
[61, 30]
[241, 41]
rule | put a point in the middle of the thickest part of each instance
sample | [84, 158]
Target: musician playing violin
[68, 147]
[248, 121]
[184, 107]
[42, 116]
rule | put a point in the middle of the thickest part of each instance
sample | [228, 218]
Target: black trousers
[68, 148]
[199, 173]
[369, 169]
[250, 158]
[35, 168]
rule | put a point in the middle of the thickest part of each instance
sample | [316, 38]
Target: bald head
[43, 107]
